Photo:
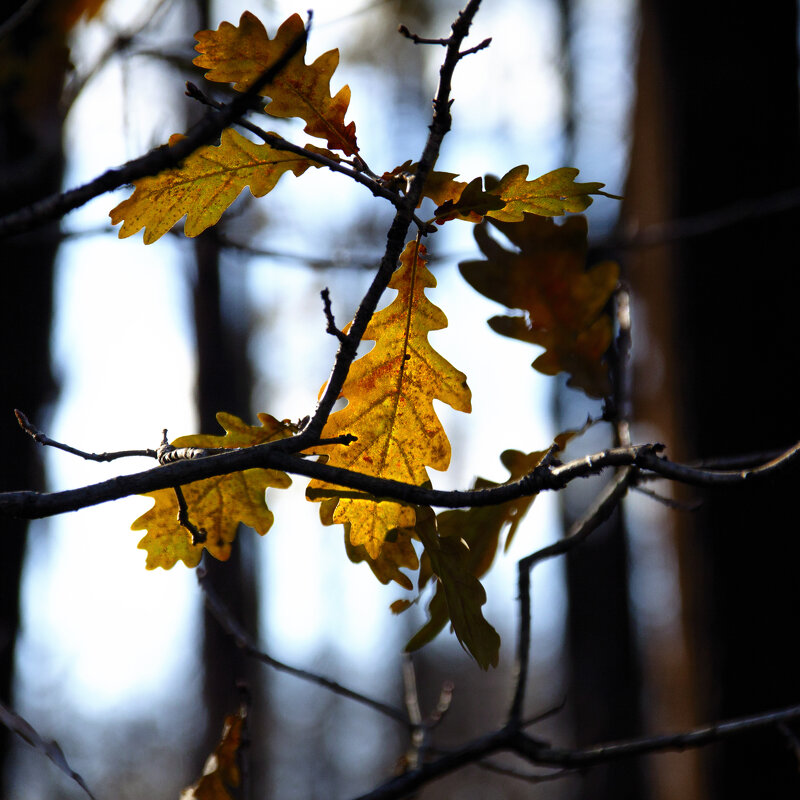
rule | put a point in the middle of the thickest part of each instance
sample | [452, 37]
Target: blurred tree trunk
[717, 123]
[224, 383]
[33, 63]
[604, 677]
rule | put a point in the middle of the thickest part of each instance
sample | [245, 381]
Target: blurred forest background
[665, 620]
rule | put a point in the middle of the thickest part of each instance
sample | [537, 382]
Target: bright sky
[101, 633]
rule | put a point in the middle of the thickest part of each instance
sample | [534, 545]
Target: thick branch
[278, 455]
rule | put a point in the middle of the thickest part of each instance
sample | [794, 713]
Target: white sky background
[103, 636]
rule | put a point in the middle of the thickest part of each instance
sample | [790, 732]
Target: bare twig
[22, 728]
[43, 439]
[164, 157]
[248, 647]
[601, 510]
[332, 329]
[198, 535]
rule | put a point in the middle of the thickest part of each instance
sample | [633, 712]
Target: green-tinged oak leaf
[480, 529]
[241, 55]
[562, 302]
[459, 596]
[550, 195]
[203, 186]
[473, 204]
[216, 505]
[221, 771]
[390, 393]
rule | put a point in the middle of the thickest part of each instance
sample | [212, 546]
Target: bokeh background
[666, 619]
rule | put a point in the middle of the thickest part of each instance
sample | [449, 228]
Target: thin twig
[43, 439]
[602, 508]
[22, 728]
[404, 31]
[332, 329]
[243, 641]
[199, 535]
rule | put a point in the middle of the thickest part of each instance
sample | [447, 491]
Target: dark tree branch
[601, 510]
[396, 237]
[511, 739]
[279, 455]
[246, 644]
[22, 728]
[164, 157]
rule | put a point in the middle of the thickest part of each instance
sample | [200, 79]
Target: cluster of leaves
[558, 304]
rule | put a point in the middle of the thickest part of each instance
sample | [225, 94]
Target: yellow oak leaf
[390, 393]
[203, 186]
[216, 505]
[563, 302]
[221, 770]
[241, 55]
[550, 195]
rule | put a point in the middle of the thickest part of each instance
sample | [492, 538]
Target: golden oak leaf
[390, 393]
[562, 301]
[478, 529]
[241, 55]
[203, 186]
[550, 195]
[221, 770]
[216, 505]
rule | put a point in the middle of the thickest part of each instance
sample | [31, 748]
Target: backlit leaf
[479, 529]
[550, 195]
[562, 302]
[390, 392]
[221, 771]
[241, 55]
[203, 186]
[216, 505]
[459, 596]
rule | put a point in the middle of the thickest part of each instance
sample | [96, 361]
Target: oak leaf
[550, 195]
[562, 302]
[216, 505]
[478, 530]
[241, 55]
[390, 393]
[459, 594]
[221, 770]
[203, 186]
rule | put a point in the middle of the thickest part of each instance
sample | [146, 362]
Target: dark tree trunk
[717, 124]
[31, 162]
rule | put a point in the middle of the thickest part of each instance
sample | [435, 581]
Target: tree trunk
[717, 124]
[31, 163]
